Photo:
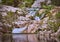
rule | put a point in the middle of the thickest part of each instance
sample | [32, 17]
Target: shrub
[55, 2]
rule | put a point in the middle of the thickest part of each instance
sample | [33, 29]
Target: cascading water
[35, 8]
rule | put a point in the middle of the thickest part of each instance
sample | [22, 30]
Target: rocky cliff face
[48, 25]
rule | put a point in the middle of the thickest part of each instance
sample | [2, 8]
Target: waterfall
[36, 7]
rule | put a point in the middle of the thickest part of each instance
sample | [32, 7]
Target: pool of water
[25, 38]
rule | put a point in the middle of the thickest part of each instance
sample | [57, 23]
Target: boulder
[21, 18]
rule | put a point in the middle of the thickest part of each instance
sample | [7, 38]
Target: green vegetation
[28, 3]
[18, 3]
[47, 11]
[7, 2]
[57, 15]
[56, 2]
[48, 7]
[53, 26]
